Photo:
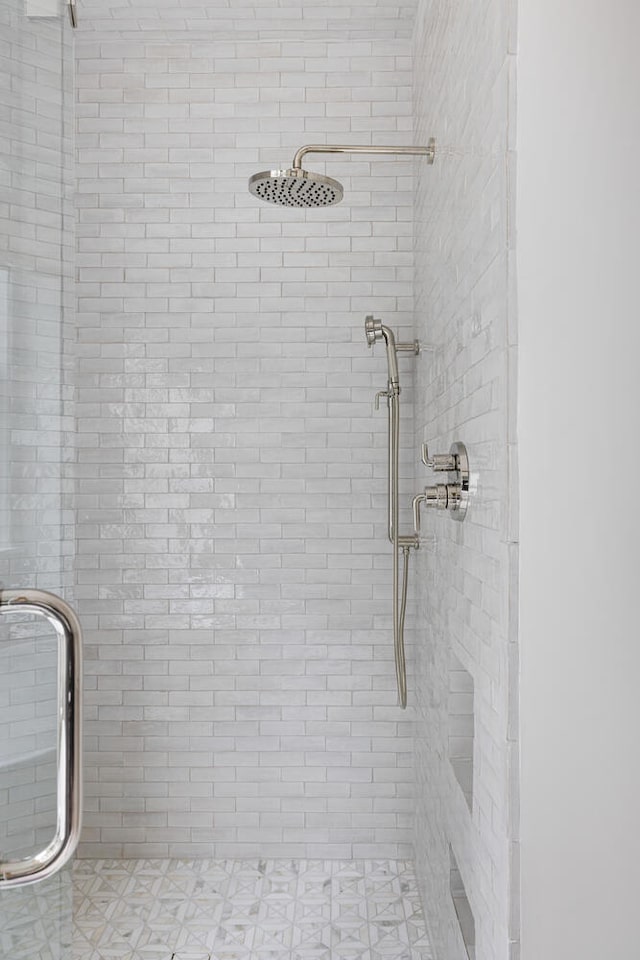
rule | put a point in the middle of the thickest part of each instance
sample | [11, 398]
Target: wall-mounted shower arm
[429, 151]
[297, 187]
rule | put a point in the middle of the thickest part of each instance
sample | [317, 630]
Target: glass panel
[28, 697]
[35, 537]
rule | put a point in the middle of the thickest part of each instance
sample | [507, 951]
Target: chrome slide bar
[375, 331]
[59, 851]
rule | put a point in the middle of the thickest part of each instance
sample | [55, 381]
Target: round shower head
[295, 188]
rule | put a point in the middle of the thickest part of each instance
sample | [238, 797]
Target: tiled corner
[465, 307]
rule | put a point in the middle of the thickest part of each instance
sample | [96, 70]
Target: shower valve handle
[452, 496]
[381, 393]
[440, 462]
[440, 496]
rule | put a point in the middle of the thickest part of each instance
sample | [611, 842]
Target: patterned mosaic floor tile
[221, 910]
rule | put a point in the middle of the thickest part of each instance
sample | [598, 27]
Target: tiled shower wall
[233, 563]
[465, 308]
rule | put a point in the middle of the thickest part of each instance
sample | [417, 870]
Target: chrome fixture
[301, 188]
[452, 495]
[376, 331]
[73, 13]
[59, 851]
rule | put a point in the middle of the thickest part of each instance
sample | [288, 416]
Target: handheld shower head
[372, 330]
[375, 330]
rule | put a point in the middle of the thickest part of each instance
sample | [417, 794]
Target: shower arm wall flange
[429, 151]
[411, 346]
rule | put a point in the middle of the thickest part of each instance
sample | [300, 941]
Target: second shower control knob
[442, 496]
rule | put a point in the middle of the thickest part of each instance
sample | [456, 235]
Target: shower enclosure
[36, 533]
[233, 572]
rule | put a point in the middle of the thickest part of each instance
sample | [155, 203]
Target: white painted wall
[579, 415]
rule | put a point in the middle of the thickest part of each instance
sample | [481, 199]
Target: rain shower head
[296, 188]
[301, 188]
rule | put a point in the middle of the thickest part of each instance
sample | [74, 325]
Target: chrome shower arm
[297, 187]
[428, 151]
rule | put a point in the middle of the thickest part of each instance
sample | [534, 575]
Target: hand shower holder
[452, 496]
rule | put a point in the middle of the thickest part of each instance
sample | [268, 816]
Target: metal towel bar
[59, 851]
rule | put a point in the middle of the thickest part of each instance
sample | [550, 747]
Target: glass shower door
[36, 527]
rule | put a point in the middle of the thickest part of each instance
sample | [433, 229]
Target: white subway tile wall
[465, 307]
[251, 19]
[233, 567]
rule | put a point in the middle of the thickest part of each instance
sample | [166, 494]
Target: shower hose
[399, 596]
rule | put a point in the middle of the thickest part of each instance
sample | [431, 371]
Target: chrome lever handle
[73, 13]
[441, 496]
[380, 393]
[417, 500]
[440, 462]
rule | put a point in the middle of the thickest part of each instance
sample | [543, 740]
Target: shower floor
[246, 910]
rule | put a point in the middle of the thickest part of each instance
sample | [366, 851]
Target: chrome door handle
[59, 851]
